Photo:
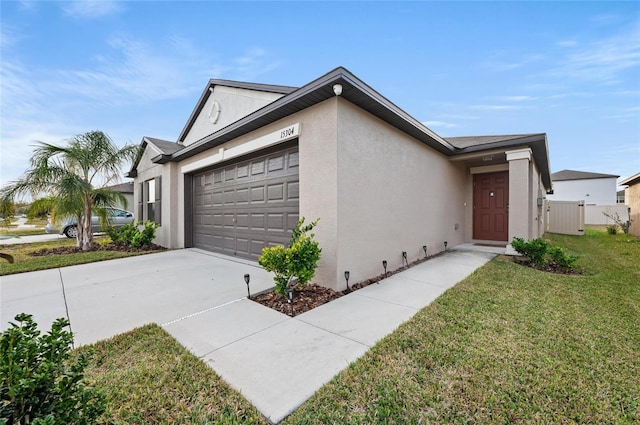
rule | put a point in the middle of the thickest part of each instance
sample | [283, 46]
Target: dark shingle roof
[126, 187]
[578, 175]
[164, 146]
[363, 96]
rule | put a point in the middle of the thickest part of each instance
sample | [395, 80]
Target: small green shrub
[533, 250]
[612, 229]
[540, 253]
[619, 224]
[39, 384]
[134, 235]
[299, 260]
[562, 258]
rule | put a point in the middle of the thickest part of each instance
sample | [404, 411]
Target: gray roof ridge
[579, 175]
[335, 76]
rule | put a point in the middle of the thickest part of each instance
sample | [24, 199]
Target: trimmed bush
[540, 253]
[39, 383]
[534, 250]
[299, 261]
[134, 235]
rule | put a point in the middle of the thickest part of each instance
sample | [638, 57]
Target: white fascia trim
[515, 154]
[488, 168]
[283, 135]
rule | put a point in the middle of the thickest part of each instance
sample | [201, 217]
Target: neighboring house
[592, 188]
[620, 197]
[632, 196]
[127, 190]
[253, 158]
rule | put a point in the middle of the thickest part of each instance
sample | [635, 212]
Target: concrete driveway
[110, 297]
[200, 299]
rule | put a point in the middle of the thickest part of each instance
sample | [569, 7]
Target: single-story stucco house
[254, 158]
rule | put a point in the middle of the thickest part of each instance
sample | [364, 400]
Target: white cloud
[439, 124]
[90, 9]
[602, 61]
[54, 104]
[495, 107]
[516, 98]
[500, 65]
[567, 43]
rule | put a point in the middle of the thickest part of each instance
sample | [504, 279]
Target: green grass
[23, 262]
[508, 345]
[148, 378]
[22, 232]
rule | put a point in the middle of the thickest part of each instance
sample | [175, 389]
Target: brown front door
[491, 206]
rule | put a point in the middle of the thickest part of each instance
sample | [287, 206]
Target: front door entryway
[491, 206]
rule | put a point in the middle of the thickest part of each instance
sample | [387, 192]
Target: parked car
[69, 226]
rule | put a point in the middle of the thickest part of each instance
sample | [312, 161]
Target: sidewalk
[275, 361]
[278, 362]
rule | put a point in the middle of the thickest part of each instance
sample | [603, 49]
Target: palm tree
[74, 177]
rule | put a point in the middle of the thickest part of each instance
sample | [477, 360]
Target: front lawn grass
[149, 378]
[23, 262]
[509, 344]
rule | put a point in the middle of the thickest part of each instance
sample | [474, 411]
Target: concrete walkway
[275, 361]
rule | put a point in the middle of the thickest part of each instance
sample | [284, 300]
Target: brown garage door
[241, 207]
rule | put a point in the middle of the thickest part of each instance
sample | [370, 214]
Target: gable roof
[630, 181]
[360, 94]
[163, 148]
[579, 175]
[270, 88]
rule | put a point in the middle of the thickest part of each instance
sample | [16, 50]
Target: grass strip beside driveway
[149, 378]
[23, 262]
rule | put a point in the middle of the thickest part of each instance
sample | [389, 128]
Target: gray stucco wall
[394, 194]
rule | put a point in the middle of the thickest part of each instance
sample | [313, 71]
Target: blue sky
[134, 69]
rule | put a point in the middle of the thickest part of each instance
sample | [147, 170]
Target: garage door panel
[253, 204]
[276, 163]
[275, 192]
[242, 221]
[242, 196]
[293, 190]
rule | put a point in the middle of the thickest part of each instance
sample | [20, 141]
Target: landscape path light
[384, 264]
[346, 276]
[246, 280]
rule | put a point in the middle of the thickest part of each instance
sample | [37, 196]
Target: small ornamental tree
[299, 260]
[39, 382]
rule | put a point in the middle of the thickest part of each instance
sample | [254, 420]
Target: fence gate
[565, 217]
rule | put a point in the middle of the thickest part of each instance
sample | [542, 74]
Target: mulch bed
[308, 297]
[549, 267]
[44, 252]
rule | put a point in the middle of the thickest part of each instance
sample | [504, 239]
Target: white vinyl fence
[565, 217]
[594, 214]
